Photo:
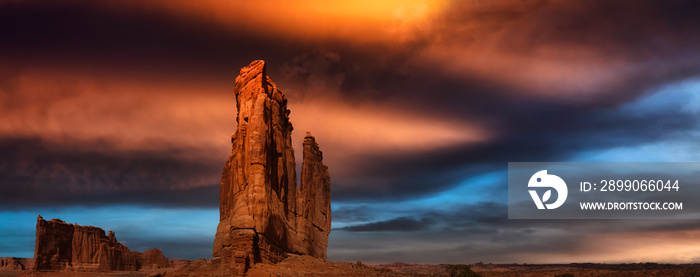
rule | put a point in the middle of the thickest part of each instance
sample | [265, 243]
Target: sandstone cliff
[61, 245]
[262, 215]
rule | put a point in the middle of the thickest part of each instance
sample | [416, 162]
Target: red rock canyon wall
[61, 245]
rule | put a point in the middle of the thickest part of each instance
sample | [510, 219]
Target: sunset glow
[418, 106]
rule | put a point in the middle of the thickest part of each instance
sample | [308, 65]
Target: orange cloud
[62, 107]
[131, 116]
[507, 42]
[370, 128]
[347, 131]
[355, 20]
[547, 71]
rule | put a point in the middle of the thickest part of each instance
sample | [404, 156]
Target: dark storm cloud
[128, 40]
[540, 135]
[37, 173]
[351, 214]
[470, 233]
[655, 36]
[655, 40]
[401, 224]
[490, 218]
[545, 80]
[465, 234]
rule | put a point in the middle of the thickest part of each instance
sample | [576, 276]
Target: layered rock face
[61, 245]
[262, 215]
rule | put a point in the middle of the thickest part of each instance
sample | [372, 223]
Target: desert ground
[304, 265]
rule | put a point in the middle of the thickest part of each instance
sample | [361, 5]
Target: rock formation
[151, 259]
[12, 263]
[61, 245]
[314, 201]
[262, 215]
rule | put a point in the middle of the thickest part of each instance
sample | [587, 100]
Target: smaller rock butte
[61, 245]
[12, 263]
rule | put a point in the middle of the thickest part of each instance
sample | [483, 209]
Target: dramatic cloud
[401, 224]
[481, 232]
[417, 105]
[37, 173]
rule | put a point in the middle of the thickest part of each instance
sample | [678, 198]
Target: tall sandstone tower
[263, 216]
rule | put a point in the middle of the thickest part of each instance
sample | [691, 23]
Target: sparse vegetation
[460, 270]
[692, 272]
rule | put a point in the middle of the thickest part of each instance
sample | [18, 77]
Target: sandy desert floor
[308, 266]
[644, 269]
[140, 273]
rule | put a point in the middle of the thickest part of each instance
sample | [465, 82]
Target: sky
[118, 114]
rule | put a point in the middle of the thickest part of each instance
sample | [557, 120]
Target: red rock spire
[260, 216]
